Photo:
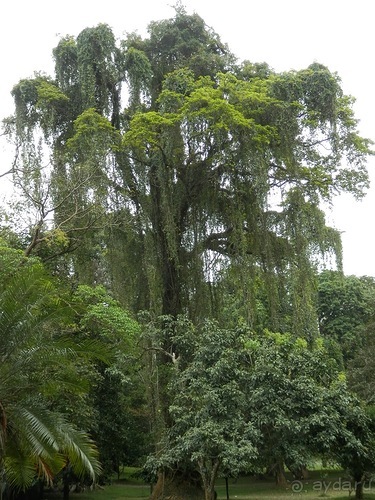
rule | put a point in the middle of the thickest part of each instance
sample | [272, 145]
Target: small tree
[211, 428]
[286, 386]
[301, 405]
[36, 363]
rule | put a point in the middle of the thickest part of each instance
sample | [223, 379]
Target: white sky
[287, 34]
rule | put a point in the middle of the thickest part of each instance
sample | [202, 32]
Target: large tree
[208, 177]
[209, 165]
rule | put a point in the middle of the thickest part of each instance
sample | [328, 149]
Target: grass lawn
[322, 484]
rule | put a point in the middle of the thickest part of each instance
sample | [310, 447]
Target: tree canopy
[194, 163]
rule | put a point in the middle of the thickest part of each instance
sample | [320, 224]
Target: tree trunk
[178, 486]
[280, 475]
[305, 473]
[358, 477]
[208, 474]
[167, 243]
[299, 472]
[209, 489]
[66, 489]
[66, 477]
[210, 494]
[359, 490]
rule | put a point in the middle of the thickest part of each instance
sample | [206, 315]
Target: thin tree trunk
[66, 482]
[359, 490]
[280, 475]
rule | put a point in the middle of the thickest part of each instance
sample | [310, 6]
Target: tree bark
[359, 490]
[178, 486]
[209, 478]
[280, 475]
[358, 478]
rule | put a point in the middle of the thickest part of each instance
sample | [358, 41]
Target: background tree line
[174, 199]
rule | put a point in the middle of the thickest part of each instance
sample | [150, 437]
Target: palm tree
[36, 440]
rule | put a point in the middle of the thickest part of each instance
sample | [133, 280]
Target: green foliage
[37, 363]
[190, 169]
[103, 317]
[240, 401]
[345, 308]
[49, 94]
[41, 443]
[98, 66]
[11, 259]
[293, 387]
[66, 63]
[211, 429]
[94, 136]
[38, 101]
[301, 402]
[184, 41]
[117, 393]
[139, 74]
[201, 194]
[361, 368]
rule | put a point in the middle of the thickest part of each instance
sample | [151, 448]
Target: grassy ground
[327, 484]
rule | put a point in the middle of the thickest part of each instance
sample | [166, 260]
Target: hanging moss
[215, 171]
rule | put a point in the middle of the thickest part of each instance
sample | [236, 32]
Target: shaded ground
[322, 484]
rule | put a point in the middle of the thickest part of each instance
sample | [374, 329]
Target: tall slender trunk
[167, 244]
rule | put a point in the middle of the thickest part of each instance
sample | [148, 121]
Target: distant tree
[353, 448]
[361, 368]
[346, 306]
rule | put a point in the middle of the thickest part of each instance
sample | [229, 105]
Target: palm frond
[33, 429]
[19, 471]
[37, 361]
[81, 451]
